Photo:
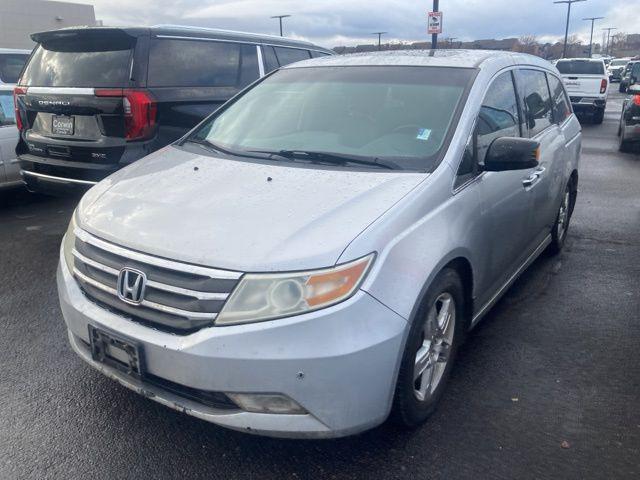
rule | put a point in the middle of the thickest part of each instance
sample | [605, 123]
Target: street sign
[435, 23]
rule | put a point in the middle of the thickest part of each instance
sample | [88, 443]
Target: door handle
[530, 180]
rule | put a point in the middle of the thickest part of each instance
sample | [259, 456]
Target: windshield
[401, 115]
[619, 63]
[7, 113]
[580, 67]
[79, 63]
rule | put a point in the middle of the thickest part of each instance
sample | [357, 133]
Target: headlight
[266, 296]
[69, 241]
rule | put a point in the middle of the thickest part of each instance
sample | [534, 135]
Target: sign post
[434, 25]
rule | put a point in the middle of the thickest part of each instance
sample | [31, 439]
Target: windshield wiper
[332, 158]
[215, 148]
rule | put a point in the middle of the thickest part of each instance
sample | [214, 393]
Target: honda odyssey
[308, 259]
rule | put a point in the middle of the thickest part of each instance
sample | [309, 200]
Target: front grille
[178, 298]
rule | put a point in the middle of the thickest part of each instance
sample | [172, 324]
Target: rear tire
[598, 117]
[561, 225]
[432, 345]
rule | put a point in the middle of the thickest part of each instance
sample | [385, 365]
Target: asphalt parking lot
[546, 387]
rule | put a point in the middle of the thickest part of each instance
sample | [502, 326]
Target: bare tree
[527, 44]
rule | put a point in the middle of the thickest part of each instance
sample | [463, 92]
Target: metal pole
[379, 34]
[608, 30]
[280, 17]
[434, 36]
[566, 30]
[593, 19]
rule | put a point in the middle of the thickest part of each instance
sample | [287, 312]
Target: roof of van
[179, 31]
[437, 58]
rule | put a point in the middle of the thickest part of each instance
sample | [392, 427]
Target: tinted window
[7, 113]
[561, 105]
[536, 100]
[270, 59]
[315, 54]
[498, 115]
[189, 63]
[290, 55]
[400, 114]
[86, 63]
[635, 72]
[580, 67]
[11, 66]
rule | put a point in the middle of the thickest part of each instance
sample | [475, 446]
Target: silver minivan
[308, 259]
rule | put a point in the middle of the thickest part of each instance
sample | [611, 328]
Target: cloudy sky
[349, 22]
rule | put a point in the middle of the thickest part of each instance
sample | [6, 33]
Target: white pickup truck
[586, 81]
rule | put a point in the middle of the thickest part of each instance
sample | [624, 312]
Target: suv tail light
[18, 92]
[603, 86]
[140, 111]
[636, 100]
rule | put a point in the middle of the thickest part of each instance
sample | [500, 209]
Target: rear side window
[11, 66]
[80, 63]
[190, 63]
[561, 105]
[291, 55]
[536, 99]
[7, 113]
[315, 54]
[580, 67]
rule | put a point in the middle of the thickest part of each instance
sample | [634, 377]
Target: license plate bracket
[62, 125]
[117, 352]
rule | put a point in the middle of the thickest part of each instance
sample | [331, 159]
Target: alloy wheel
[434, 350]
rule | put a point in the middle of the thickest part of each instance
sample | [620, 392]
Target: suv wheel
[430, 351]
[561, 226]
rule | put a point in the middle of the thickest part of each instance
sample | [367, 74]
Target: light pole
[566, 30]
[379, 38]
[608, 30]
[280, 17]
[593, 19]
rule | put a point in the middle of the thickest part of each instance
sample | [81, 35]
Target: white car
[586, 80]
[9, 168]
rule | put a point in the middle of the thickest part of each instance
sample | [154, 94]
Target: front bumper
[339, 363]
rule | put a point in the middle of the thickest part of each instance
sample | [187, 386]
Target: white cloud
[336, 22]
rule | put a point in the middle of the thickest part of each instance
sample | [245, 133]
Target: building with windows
[21, 18]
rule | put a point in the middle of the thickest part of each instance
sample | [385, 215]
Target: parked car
[626, 76]
[309, 258]
[9, 169]
[586, 81]
[616, 68]
[94, 99]
[629, 129]
[11, 63]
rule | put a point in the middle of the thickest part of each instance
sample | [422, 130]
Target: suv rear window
[580, 67]
[11, 66]
[80, 62]
[291, 55]
[193, 63]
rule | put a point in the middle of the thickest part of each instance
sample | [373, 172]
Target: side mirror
[511, 153]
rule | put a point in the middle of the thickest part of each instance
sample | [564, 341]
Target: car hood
[236, 215]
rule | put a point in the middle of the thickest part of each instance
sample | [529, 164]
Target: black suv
[91, 100]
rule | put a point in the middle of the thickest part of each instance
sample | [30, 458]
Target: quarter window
[270, 59]
[291, 55]
[536, 99]
[561, 105]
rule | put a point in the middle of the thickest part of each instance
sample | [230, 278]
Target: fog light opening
[266, 403]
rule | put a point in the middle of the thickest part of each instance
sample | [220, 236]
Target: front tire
[561, 226]
[430, 351]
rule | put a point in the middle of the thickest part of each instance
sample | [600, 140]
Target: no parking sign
[435, 23]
